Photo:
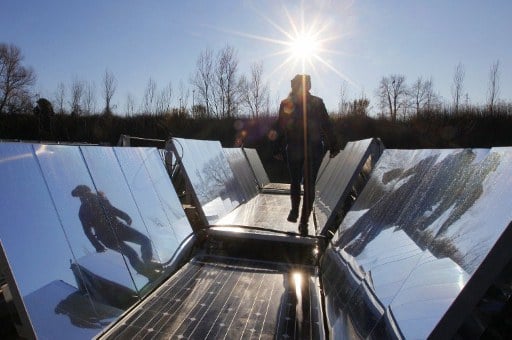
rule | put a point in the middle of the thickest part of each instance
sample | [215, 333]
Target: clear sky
[361, 42]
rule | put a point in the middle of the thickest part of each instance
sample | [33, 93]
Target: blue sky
[366, 40]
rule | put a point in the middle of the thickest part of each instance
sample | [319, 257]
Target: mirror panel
[257, 166]
[416, 233]
[39, 252]
[242, 172]
[208, 171]
[123, 216]
[167, 197]
[156, 200]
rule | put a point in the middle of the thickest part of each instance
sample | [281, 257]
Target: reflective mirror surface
[210, 175]
[257, 166]
[242, 172]
[85, 230]
[418, 232]
[337, 176]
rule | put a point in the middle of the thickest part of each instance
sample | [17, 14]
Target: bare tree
[203, 78]
[432, 100]
[226, 90]
[343, 104]
[494, 86]
[164, 99]
[420, 92]
[89, 98]
[60, 96]
[149, 97]
[77, 92]
[392, 94]
[130, 105]
[254, 92]
[109, 88]
[15, 79]
[458, 86]
[183, 95]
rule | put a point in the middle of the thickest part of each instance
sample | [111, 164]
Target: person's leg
[311, 171]
[295, 170]
[132, 235]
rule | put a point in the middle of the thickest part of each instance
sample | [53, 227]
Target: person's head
[301, 83]
[80, 191]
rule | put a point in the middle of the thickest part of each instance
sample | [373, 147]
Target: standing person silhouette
[303, 133]
[112, 230]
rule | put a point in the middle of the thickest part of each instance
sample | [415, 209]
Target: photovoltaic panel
[210, 298]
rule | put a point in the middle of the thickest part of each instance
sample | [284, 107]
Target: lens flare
[306, 37]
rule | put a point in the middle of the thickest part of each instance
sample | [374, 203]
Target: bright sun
[304, 43]
[304, 47]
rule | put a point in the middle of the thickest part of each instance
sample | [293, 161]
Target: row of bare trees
[221, 92]
[218, 90]
[397, 99]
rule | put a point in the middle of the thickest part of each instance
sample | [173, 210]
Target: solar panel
[213, 298]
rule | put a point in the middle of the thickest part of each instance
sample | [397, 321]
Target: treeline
[437, 129]
[218, 89]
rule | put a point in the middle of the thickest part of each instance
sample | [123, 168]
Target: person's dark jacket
[97, 213]
[290, 127]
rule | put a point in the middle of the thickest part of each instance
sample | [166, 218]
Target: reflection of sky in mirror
[100, 162]
[156, 222]
[458, 200]
[242, 172]
[42, 231]
[167, 196]
[30, 229]
[63, 169]
[334, 177]
[210, 175]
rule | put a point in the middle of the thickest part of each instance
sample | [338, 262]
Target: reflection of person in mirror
[302, 133]
[112, 230]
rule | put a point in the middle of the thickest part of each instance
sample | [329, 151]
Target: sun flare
[304, 48]
[307, 42]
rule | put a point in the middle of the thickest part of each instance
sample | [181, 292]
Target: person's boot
[294, 212]
[303, 229]
[293, 215]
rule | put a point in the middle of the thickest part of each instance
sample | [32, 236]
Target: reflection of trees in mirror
[216, 181]
[448, 187]
[109, 227]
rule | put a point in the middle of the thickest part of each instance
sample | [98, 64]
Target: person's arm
[114, 212]
[278, 138]
[328, 130]
[121, 214]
